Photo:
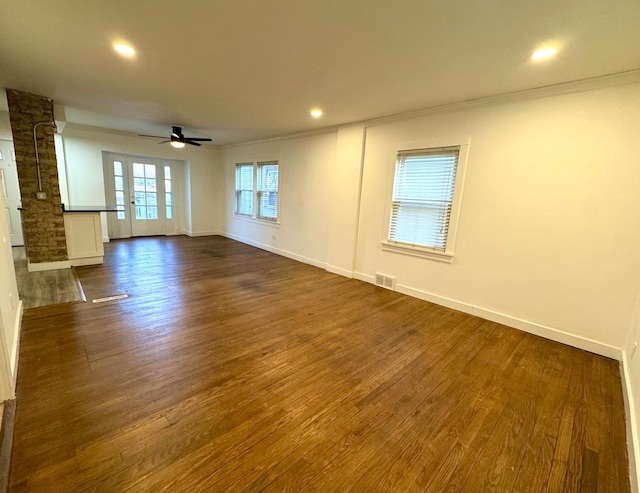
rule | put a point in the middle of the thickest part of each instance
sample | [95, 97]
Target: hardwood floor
[45, 287]
[232, 369]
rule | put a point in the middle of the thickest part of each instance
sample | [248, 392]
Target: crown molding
[594, 83]
[297, 135]
[613, 80]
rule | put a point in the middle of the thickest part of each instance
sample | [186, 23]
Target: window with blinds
[423, 191]
[268, 191]
[257, 183]
[244, 189]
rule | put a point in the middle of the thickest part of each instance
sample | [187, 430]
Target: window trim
[254, 216]
[238, 190]
[259, 191]
[447, 255]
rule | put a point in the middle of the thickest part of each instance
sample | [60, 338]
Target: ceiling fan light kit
[177, 138]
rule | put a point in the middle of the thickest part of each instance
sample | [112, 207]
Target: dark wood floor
[232, 369]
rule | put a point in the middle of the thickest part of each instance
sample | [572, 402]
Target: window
[118, 178]
[244, 189]
[146, 194]
[264, 194]
[168, 192]
[422, 200]
[268, 191]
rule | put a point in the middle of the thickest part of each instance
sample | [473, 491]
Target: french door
[147, 189]
[10, 190]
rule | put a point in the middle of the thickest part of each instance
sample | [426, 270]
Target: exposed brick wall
[42, 219]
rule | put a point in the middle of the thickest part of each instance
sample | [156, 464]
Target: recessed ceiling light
[316, 112]
[124, 49]
[543, 53]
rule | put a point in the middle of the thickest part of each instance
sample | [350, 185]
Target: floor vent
[386, 282]
[110, 298]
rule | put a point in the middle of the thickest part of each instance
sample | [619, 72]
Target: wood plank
[232, 369]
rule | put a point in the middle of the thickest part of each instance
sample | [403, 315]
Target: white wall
[344, 203]
[5, 126]
[548, 231]
[62, 169]
[83, 156]
[548, 239]
[10, 311]
[305, 173]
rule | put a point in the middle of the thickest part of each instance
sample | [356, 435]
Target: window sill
[264, 222]
[416, 251]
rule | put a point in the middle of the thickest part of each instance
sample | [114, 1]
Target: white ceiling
[240, 70]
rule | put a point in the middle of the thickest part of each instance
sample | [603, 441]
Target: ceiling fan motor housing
[176, 134]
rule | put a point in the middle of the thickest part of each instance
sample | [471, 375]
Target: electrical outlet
[273, 237]
[41, 195]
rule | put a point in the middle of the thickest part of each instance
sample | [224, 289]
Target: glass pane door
[148, 213]
[148, 190]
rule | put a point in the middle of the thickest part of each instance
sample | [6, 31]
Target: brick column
[41, 217]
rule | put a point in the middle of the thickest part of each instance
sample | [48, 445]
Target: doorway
[10, 189]
[149, 190]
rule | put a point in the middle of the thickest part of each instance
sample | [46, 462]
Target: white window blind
[422, 197]
[268, 191]
[244, 189]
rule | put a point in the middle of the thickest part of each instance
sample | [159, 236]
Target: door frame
[121, 227]
[8, 186]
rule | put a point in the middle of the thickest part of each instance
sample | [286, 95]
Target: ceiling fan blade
[177, 136]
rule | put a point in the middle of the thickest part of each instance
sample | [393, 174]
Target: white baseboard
[557, 335]
[364, 277]
[277, 251]
[194, 234]
[438, 300]
[15, 349]
[551, 333]
[307, 260]
[633, 447]
[77, 262]
[105, 239]
[340, 271]
[286, 253]
[40, 266]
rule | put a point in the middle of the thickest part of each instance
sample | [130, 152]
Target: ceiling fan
[178, 139]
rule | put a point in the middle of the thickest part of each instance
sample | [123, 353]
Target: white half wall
[83, 158]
